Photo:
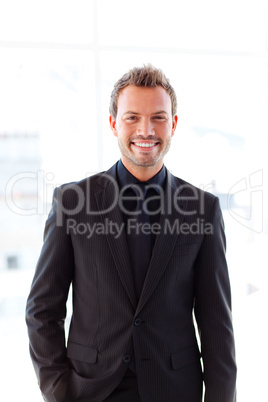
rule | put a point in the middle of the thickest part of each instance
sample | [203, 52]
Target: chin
[146, 163]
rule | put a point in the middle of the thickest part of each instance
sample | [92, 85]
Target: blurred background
[58, 63]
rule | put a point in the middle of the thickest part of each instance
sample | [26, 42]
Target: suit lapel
[165, 241]
[118, 246]
[164, 244]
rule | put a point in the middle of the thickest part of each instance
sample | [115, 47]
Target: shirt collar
[125, 178]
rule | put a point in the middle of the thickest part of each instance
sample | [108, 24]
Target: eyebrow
[131, 112]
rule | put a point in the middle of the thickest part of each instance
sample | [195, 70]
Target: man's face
[143, 126]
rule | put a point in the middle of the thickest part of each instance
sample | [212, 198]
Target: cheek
[165, 133]
[124, 131]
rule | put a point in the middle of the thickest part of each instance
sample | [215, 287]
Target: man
[143, 250]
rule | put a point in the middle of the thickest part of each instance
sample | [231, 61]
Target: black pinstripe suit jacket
[187, 273]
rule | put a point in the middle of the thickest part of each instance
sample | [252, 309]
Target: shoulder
[195, 202]
[80, 184]
[193, 193]
[77, 192]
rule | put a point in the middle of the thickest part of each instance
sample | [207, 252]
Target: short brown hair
[146, 76]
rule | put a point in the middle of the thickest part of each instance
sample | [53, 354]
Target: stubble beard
[143, 160]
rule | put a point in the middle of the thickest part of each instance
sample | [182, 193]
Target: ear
[113, 125]
[174, 125]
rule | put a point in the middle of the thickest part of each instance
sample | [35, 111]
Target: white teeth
[144, 145]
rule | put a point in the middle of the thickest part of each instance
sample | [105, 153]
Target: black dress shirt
[153, 200]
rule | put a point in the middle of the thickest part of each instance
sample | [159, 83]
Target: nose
[146, 128]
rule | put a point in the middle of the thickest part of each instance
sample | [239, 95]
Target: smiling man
[144, 125]
[145, 253]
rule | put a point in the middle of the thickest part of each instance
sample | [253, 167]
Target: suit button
[137, 322]
[126, 359]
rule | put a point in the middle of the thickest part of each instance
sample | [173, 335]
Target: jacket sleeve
[213, 313]
[46, 304]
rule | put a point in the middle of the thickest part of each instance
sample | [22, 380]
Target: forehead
[142, 99]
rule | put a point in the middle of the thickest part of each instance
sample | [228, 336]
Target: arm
[213, 314]
[46, 305]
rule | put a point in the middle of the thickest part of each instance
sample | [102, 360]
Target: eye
[159, 117]
[131, 118]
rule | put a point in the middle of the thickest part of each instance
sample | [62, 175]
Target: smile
[145, 144]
